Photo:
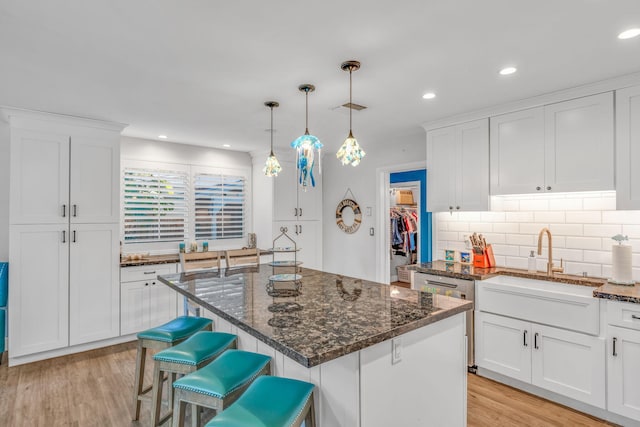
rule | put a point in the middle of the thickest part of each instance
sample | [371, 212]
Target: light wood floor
[94, 389]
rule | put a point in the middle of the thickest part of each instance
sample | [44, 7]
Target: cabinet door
[39, 296]
[94, 283]
[39, 178]
[95, 184]
[569, 363]
[628, 148]
[503, 345]
[285, 193]
[579, 144]
[162, 303]
[516, 152]
[441, 169]
[310, 201]
[309, 237]
[134, 307]
[623, 370]
[472, 179]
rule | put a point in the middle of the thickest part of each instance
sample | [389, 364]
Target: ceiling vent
[353, 106]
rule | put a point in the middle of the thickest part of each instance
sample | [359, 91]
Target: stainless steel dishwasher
[456, 288]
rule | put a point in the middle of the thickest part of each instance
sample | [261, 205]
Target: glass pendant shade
[272, 166]
[306, 147]
[350, 152]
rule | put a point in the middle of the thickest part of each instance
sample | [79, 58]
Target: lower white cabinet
[145, 303]
[623, 368]
[565, 362]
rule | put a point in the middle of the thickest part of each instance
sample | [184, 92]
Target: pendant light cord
[306, 120]
[271, 154]
[350, 99]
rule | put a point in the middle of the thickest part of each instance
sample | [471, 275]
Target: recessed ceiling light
[508, 70]
[429, 95]
[629, 34]
[162, 136]
[226, 145]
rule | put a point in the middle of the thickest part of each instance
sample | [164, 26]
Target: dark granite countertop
[163, 259]
[466, 271]
[330, 315]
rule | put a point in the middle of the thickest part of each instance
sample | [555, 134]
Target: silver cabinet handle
[634, 316]
[75, 210]
[615, 340]
[524, 337]
[74, 236]
[548, 187]
[296, 212]
[64, 211]
[64, 236]
[149, 272]
[300, 228]
[535, 341]
[300, 212]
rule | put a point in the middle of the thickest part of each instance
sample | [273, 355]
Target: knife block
[485, 259]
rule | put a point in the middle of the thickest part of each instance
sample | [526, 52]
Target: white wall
[262, 201]
[4, 190]
[355, 254]
[582, 225]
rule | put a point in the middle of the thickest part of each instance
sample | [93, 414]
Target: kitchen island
[380, 355]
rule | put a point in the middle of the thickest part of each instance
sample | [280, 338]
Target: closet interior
[404, 217]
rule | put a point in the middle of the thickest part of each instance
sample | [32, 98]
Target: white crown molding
[607, 85]
[20, 117]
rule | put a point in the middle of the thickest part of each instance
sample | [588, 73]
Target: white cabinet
[628, 148]
[623, 354]
[301, 212]
[458, 167]
[39, 297]
[64, 215]
[567, 146]
[94, 285]
[565, 362]
[144, 301]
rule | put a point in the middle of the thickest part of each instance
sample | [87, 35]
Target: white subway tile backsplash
[594, 243]
[582, 225]
[565, 204]
[621, 217]
[519, 217]
[602, 230]
[549, 217]
[584, 217]
[521, 239]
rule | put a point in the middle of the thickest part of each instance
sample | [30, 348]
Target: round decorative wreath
[356, 212]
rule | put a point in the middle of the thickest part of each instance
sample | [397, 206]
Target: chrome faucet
[550, 268]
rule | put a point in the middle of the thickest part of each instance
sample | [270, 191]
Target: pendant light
[350, 152]
[305, 146]
[272, 166]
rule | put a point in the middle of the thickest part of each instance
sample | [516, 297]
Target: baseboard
[558, 398]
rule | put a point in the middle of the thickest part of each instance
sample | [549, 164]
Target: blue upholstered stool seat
[160, 338]
[219, 383]
[178, 329]
[190, 355]
[270, 402]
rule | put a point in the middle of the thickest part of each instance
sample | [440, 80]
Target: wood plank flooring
[94, 389]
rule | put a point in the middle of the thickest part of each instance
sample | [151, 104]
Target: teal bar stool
[190, 355]
[159, 338]
[271, 402]
[218, 384]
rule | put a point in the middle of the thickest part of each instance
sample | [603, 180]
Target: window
[154, 205]
[219, 206]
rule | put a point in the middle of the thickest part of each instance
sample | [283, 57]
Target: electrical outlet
[368, 210]
[396, 350]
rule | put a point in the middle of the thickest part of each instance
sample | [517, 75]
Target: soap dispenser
[532, 263]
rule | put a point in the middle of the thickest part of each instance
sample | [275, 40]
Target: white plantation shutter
[155, 205]
[220, 202]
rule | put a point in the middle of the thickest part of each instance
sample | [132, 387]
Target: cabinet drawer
[624, 314]
[145, 272]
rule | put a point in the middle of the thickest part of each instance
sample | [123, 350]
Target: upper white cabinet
[458, 167]
[628, 148]
[291, 201]
[567, 146]
[62, 177]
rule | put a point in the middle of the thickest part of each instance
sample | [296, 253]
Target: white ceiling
[200, 70]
